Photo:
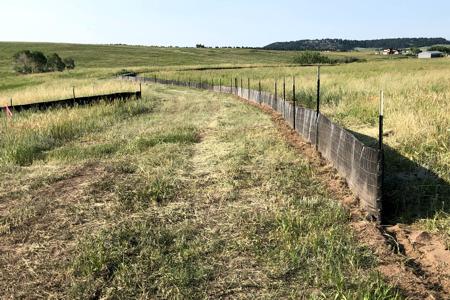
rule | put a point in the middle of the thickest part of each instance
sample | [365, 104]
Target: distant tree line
[440, 48]
[347, 45]
[222, 47]
[27, 62]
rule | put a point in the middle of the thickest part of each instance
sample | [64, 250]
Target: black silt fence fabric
[356, 162]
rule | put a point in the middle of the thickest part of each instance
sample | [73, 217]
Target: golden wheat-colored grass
[417, 109]
[59, 89]
[416, 114]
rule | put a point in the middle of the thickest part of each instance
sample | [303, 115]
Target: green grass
[183, 194]
[110, 167]
[98, 62]
[103, 61]
[417, 121]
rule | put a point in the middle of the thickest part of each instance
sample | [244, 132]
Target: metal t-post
[318, 108]
[293, 102]
[259, 92]
[381, 154]
[242, 85]
[284, 97]
[276, 96]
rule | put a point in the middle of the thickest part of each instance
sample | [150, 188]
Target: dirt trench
[415, 261]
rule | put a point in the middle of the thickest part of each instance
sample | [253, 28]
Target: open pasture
[106, 197]
[417, 120]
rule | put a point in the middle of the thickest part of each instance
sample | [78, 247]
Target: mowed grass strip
[417, 119]
[197, 196]
[416, 122]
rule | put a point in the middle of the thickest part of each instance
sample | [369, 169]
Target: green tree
[312, 57]
[22, 62]
[415, 50]
[440, 48]
[38, 62]
[70, 63]
[27, 61]
[55, 63]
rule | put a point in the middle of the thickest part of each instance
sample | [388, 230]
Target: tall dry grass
[59, 89]
[417, 110]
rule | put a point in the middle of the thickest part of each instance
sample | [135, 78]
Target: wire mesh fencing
[359, 164]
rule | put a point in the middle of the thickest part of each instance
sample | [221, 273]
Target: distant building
[430, 54]
[391, 51]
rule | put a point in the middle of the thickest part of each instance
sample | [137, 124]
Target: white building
[431, 54]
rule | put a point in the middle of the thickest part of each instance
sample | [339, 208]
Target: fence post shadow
[411, 191]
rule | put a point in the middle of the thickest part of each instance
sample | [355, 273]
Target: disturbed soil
[415, 261]
[42, 236]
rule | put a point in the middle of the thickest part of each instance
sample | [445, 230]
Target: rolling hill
[346, 45]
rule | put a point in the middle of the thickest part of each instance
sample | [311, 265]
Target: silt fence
[359, 164]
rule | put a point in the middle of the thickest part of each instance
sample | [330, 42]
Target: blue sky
[214, 22]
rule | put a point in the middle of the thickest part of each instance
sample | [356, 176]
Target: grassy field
[101, 62]
[417, 121]
[97, 62]
[104, 201]
[184, 194]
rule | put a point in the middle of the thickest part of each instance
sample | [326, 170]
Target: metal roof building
[430, 54]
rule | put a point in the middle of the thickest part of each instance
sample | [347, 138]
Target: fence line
[74, 101]
[360, 165]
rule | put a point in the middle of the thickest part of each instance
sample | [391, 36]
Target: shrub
[349, 59]
[312, 57]
[22, 62]
[55, 63]
[443, 49]
[29, 62]
[415, 51]
[38, 62]
[70, 63]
